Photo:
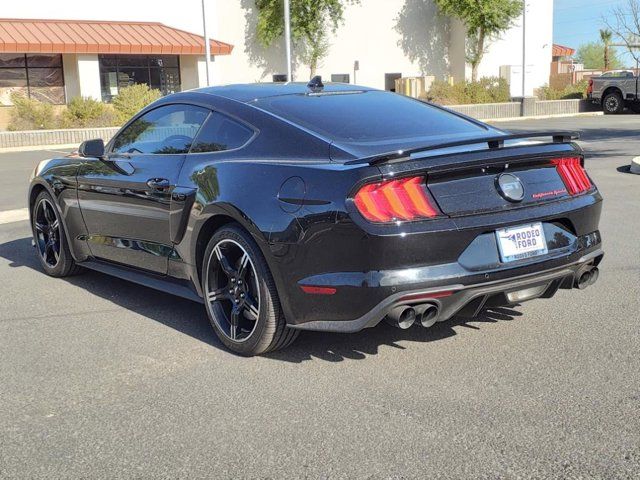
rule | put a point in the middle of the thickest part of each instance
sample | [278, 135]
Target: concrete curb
[542, 117]
[28, 138]
[11, 216]
[33, 148]
[635, 165]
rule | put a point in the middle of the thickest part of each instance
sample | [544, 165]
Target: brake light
[573, 174]
[402, 199]
[590, 87]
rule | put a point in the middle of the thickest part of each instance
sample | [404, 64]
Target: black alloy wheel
[47, 231]
[240, 295]
[49, 238]
[233, 291]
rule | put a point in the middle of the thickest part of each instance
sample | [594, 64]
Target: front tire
[240, 295]
[50, 238]
[612, 104]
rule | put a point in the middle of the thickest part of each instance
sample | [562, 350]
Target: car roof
[248, 92]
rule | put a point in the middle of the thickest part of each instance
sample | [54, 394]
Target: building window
[38, 76]
[280, 77]
[118, 71]
[340, 77]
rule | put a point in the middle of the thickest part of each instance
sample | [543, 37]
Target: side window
[164, 130]
[221, 133]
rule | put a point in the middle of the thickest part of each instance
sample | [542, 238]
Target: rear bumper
[467, 299]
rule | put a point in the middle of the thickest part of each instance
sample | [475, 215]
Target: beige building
[91, 51]
[387, 39]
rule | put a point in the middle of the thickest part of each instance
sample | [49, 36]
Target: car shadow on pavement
[190, 318]
[337, 347]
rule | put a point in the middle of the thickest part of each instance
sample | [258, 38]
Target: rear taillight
[590, 87]
[404, 199]
[573, 175]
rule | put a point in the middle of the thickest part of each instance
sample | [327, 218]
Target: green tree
[311, 22]
[605, 36]
[592, 55]
[484, 20]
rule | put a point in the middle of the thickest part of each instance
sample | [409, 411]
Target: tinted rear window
[220, 133]
[367, 116]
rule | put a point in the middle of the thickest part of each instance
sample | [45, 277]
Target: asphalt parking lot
[102, 378]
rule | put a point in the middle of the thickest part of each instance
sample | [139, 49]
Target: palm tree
[605, 36]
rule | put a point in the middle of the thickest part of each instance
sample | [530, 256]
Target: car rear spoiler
[493, 143]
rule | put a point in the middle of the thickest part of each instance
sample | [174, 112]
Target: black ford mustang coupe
[288, 207]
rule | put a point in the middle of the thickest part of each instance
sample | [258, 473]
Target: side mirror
[92, 148]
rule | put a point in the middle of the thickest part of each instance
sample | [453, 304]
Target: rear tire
[240, 295]
[612, 104]
[50, 238]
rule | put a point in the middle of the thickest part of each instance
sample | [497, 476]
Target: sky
[576, 22]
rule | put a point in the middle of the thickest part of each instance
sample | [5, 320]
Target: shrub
[445, 94]
[486, 90]
[30, 114]
[579, 91]
[87, 113]
[132, 99]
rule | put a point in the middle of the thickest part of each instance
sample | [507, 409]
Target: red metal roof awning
[87, 36]
[562, 51]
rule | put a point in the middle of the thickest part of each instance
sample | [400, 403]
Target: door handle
[158, 183]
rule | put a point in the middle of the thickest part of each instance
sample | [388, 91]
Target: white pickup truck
[615, 91]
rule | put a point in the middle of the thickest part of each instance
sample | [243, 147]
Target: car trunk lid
[491, 180]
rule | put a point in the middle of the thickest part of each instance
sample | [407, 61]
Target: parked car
[288, 207]
[615, 90]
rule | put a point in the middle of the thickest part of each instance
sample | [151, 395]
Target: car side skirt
[162, 283]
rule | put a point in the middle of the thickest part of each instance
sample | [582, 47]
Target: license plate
[520, 242]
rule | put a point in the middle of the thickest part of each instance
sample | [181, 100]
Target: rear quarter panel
[247, 185]
[252, 193]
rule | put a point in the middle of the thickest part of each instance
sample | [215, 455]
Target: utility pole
[287, 37]
[524, 49]
[207, 44]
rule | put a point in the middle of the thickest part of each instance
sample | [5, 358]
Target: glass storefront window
[37, 76]
[158, 71]
[44, 60]
[164, 61]
[167, 80]
[12, 60]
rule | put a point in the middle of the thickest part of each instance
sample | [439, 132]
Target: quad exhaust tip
[404, 316]
[401, 317]
[586, 278]
[429, 316]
